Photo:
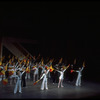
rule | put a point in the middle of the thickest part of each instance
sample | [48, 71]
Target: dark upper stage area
[29, 18]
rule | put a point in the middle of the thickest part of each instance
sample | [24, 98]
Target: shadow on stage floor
[69, 91]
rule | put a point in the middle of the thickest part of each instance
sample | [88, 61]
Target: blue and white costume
[78, 81]
[44, 83]
[18, 83]
[35, 73]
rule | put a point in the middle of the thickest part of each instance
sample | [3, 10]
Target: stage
[69, 91]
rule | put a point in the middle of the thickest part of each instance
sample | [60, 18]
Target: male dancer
[78, 81]
[44, 77]
[35, 72]
[18, 83]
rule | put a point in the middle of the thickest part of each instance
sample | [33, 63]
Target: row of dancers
[20, 70]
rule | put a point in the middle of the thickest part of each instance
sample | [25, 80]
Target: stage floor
[69, 91]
